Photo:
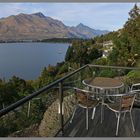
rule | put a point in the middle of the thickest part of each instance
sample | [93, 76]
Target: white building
[107, 48]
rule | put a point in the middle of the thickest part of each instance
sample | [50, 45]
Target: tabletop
[103, 82]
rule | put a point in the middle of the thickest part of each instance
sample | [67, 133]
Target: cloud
[101, 15]
[9, 9]
[109, 16]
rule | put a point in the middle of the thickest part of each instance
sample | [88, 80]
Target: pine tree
[127, 50]
[134, 13]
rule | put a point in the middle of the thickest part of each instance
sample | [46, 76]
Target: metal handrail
[61, 88]
[114, 67]
[40, 91]
[27, 98]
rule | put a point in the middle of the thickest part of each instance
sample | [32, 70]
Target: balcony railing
[57, 97]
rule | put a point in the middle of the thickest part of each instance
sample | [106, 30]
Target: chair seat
[89, 104]
[85, 100]
[123, 103]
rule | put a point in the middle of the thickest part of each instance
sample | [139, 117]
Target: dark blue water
[26, 60]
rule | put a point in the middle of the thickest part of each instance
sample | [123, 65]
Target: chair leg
[73, 114]
[116, 114]
[124, 115]
[87, 118]
[118, 123]
[102, 112]
[132, 122]
[93, 113]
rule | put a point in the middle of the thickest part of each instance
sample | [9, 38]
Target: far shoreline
[51, 40]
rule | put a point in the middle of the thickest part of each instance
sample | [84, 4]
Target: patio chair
[136, 88]
[85, 101]
[122, 104]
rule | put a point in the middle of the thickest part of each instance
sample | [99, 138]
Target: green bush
[132, 77]
[101, 61]
[107, 73]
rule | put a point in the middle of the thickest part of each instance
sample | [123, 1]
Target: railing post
[61, 107]
[29, 107]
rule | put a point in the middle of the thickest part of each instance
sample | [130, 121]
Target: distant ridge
[88, 32]
[37, 26]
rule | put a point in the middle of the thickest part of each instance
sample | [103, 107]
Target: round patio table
[103, 83]
[103, 86]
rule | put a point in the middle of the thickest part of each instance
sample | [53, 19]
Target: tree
[94, 54]
[127, 44]
[51, 70]
[83, 52]
[132, 30]
[69, 53]
[134, 13]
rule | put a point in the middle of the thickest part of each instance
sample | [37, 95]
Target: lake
[26, 60]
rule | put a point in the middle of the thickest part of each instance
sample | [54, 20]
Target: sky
[104, 16]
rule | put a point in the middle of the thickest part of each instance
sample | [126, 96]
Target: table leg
[102, 110]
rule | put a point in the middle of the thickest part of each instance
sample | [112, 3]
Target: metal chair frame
[88, 96]
[120, 111]
[136, 90]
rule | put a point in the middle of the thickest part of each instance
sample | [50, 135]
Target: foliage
[83, 52]
[107, 73]
[60, 40]
[101, 61]
[106, 37]
[63, 69]
[13, 90]
[132, 77]
[127, 43]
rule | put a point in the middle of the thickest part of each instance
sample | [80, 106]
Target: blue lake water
[26, 60]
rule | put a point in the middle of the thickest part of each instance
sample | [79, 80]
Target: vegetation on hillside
[127, 43]
[61, 40]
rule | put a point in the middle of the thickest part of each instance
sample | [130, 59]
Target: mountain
[87, 32]
[37, 26]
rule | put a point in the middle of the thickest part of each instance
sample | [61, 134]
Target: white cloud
[9, 9]
[96, 15]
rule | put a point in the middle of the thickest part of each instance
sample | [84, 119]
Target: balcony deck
[108, 126]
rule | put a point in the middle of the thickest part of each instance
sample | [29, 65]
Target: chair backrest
[136, 88]
[127, 101]
[123, 102]
[81, 95]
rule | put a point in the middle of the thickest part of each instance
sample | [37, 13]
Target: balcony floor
[108, 126]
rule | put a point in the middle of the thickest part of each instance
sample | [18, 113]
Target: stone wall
[50, 123]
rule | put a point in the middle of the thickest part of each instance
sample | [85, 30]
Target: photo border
[72, 1]
[69, 1]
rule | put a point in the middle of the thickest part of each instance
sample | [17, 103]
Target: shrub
[107, 73]
[132, 77]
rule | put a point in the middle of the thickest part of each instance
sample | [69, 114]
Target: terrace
[105, 129]
[54, 119]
